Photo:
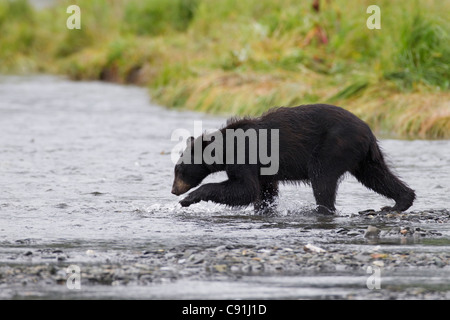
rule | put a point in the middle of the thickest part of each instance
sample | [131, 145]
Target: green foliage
[245, 56]
[153, 17]
[74, 41]
[17, 10]
[351, 90]
[17, 36]
[423, 54]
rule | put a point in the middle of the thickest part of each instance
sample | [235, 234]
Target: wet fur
[318, 145]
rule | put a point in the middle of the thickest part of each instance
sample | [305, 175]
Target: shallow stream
[85, 169]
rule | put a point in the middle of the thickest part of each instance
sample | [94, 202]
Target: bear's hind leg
[324, 189]
[324, 175]
[376, 175]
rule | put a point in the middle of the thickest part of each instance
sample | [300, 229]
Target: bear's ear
[190, 141]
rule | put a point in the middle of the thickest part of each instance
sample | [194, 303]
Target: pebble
[372, 232]
[378, 263]
[313, 248]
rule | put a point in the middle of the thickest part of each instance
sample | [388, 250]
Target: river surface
[86, 166]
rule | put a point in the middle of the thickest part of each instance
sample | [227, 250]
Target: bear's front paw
[186, 202]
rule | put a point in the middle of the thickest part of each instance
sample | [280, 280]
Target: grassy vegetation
[243, 57]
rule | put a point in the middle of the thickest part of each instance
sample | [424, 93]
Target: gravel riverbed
[381, 243]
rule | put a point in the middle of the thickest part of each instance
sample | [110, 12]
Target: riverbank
[231, 271]
[241, 58]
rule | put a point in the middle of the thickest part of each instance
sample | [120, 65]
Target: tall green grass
[158, 17]
[17, 34]
[243, 57]
[423, 54]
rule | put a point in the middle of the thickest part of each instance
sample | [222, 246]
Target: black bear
[316, 144]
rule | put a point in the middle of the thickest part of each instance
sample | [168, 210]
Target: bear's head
[190, 169]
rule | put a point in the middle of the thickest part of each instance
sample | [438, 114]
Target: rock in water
[372, 232]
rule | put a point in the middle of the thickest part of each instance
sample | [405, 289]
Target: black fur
[317, 144]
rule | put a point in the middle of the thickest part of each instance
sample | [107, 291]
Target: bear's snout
[175, 191]
[180, 187]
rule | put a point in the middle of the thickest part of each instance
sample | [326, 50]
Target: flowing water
[86, 166]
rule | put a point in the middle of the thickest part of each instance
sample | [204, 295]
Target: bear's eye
[178, 170]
